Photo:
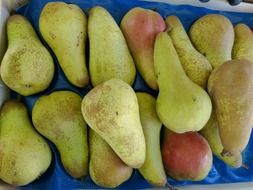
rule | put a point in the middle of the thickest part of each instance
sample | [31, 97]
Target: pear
[243, 45]
[64, 28]
[24, 154]
[109, 55]
[213, 36]
[181, 104]
[196, 66]
[152, 169]
[27, 66]
[211, 134]
[111, 110]
[58, 117]
[230, 86]
[140, 27]
[186, 156]
[106, 168]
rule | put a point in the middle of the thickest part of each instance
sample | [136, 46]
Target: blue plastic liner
[56, 178]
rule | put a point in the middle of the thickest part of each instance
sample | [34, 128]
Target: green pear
[140, 27]
[196, 66]
[181, 104]
[243, 45]
[27, 66]
[111, 110]
[213, 36]
[109, 55]
[211, 134]
[58, 117]
[152, 169]
[64, 28]
[106, 168]
[24, 154]
[230, 86]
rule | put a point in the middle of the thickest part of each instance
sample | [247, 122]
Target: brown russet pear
[186, 156]
[111, 110]
[211, 134]
[152, 169]
[64, 28]
[196, 66]
[181, 104]
[58, 117]
[140, 27]
[27, 66]
[109, 54]
[24, 154]
[106, 168]
[213, 36]
[243, 45]
[231, 89]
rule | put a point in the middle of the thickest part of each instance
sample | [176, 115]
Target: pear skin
[24, 154]
[230, 87]
[196, 66]
[140, 27]
[152, 169]
[211, 134]
[213, 36]
[243, 45]
[109, 55]
[106, 168]
[186, 156]
[27, 66]
[64, 28]
[111, 110]
[58, 117]
[181, 104]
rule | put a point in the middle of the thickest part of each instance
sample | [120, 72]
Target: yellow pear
[27, 66]
[181, 104]
[243, 45]
[211, 134]
[213, 36]
[111, 110]
[196, 66]
[64, 28]
[24, 154]
[106, 168]
[109, 55]
[152, 169]
[58, 117]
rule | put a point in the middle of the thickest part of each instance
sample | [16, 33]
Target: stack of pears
[204, 103]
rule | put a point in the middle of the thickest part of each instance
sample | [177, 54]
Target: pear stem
[170, 187]
[226, 153]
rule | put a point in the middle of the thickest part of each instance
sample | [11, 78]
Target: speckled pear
[211, 134]
[64, 27]
[109, 54]
[111, 110]
[230, 86]
[106, 168]
[58, 117]
[27, 66]
[243, 45]
[196, 66]
[213, 36]
[24, 154]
